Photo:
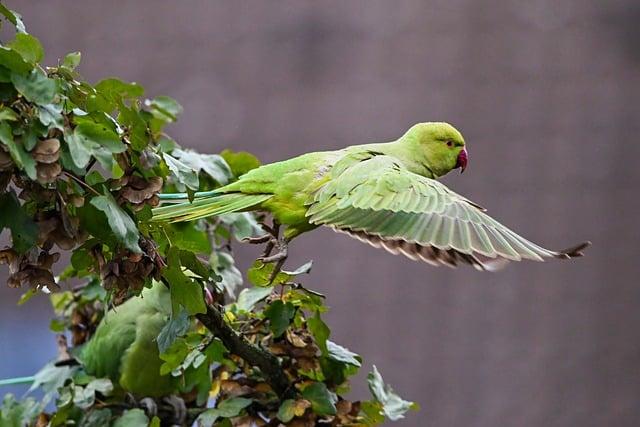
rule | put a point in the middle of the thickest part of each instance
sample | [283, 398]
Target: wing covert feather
[378, 201]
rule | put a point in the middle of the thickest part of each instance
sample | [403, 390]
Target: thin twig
[82, 183]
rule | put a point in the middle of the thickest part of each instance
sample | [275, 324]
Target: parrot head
[438, 146]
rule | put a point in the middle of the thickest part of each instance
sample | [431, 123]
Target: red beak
[461, 163]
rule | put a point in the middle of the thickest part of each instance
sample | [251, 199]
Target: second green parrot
[124, 347]
[384, 194]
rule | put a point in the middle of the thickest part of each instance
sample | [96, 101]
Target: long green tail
[206, 205]
[167, 197]
[17, 381]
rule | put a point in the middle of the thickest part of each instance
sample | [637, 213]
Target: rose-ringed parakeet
[124, 347]
[384, 194]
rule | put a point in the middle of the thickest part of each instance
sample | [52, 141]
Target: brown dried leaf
[48, 173]
[46, 151]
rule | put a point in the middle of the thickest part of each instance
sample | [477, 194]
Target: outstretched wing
[380, 202]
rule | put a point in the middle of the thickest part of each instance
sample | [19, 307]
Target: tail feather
[17, 381]
[216, 204]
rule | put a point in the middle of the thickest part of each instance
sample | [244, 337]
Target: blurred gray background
[546, 94]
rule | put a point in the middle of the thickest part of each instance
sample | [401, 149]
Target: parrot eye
[450, 143]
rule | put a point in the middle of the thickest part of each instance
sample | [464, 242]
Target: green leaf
[259, 274]
[80, 259]
[92, 139]
[280, 315]
[249, 297]
[240, 162]
[341, 354]
[226, 409]
[7, 114]
[111, 92]
[184, 291]
[50, 115]
[393, 406]
[286, 412]
[24, 232]
[183, 173]
[176, 327]
[12, 60]
[165, 107]
[18, 154]
[320, 332]
[96, 418]
[35, 86]
[242, 225]
[132, 418]
[225, 267]
[71, 60]
[13, 17]
[18, 414]
[322, 401]
[28, 47]
[211, 164]
[215, 351]
[121, 224]
[187, 236]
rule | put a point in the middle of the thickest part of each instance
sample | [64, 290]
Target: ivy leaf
[50, 115]
[17, 151]
[322, 401]
[35, 86]
[320, 331]
[28, 47]
[184, 291]
[341, 354]
[393, 406]
[165, 108]
[71, 60]
[121, 224]
[14, 18]
[183, 172]
[280, 315]
[211, 164]
[16, 414]
[240, 162]
[225, 267]
[12, 60]
[111, 92]
[242, 225]
[92, 139]
[132, 418]
[248, 298]
[177, 326]
[226, 409]
[96, 418]
[24, 232]
[7, 114]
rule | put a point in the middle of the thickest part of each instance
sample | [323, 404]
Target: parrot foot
[179, 409]
[258, 240]
[149, 406]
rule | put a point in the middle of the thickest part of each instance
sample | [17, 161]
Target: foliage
[81, 165]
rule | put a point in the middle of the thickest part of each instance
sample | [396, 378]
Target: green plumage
[124, 346]
[385, 194]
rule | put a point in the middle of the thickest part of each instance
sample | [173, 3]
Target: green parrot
[384, 194]
[124, 347]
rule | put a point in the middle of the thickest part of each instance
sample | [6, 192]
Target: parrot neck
[411, 158]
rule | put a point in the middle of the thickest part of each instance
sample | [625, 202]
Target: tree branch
[250, 353]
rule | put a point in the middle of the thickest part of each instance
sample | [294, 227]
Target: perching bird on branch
[384, 194]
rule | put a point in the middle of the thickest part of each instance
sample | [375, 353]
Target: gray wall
[546, 94]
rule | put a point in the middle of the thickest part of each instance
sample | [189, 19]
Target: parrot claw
[258, 240]
[179, 409]
[150, 407]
